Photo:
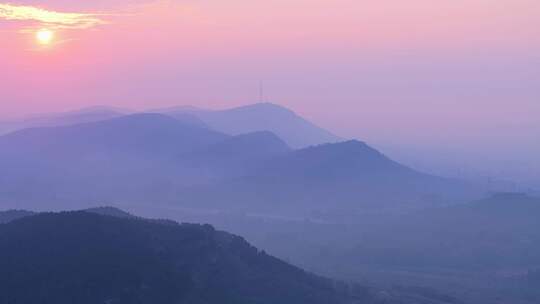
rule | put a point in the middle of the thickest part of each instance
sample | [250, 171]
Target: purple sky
[457, 80]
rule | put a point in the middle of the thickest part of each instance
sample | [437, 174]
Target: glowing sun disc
[44, 36]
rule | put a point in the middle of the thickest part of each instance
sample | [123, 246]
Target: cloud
[50, 18]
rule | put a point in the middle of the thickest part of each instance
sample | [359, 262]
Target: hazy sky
[460, 76]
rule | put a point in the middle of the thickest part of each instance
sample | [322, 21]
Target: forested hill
[82, 257]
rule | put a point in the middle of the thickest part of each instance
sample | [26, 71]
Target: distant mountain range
[342, 176]
[123, 157]
[85, 257]
[296, 131]
[336, 207]
[89, 114]
[155, 158]
[151, 135]
[236, 155]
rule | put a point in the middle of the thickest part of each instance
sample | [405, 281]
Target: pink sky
[463, 73]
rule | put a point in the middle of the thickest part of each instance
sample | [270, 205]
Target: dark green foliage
[80, 257]
[11, 215]
[111, 211]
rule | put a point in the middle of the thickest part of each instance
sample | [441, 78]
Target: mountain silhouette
[82, 257]
[139, 157]
[153, 134]
[296, 131]
[11, 215]
[149, 158]
[236, 156]
[135, 157]
[349, 175]
[110, 211]
[90, 114]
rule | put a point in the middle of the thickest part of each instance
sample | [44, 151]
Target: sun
[44, 36]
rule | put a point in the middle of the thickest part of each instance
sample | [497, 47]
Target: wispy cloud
[55, 19]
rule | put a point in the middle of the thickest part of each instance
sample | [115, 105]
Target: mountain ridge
[90, 258]
[349, 175]
[296, 131]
